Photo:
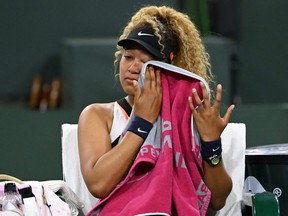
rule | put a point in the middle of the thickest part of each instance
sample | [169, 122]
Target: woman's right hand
[147, 104]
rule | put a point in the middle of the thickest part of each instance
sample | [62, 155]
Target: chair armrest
[265, 203]
[262, 204]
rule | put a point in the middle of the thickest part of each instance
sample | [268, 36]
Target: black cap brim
[149, 48]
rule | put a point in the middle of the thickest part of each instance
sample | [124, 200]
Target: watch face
[215, 160]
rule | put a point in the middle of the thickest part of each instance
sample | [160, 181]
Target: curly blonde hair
[191, 54]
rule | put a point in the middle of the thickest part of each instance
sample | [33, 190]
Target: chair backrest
[234, 145]
[71, 166]
[233, 154]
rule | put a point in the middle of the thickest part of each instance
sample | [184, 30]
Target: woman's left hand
[207, 116]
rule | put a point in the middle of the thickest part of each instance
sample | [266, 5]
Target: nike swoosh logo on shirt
[141, 131]
[144, 34]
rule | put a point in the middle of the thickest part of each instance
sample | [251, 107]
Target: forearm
[107, 172]
[219, 182]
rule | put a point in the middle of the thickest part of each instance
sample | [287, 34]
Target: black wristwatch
[214, 160]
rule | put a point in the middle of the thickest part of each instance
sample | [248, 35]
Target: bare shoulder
[94, 127]
[98, 108]
[99, 112]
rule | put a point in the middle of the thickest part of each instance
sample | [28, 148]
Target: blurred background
[56, 57]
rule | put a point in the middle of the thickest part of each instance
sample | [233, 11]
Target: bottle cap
[10, 187]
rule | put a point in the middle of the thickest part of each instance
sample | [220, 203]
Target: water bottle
[11, 200]
[1, 198]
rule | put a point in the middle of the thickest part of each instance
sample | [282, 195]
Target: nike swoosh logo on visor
[144, 34]
[141, 131]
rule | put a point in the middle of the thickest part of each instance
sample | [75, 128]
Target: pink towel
[166, 176]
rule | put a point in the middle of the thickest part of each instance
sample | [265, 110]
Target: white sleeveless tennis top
[119, 122]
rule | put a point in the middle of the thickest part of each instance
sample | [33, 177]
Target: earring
[171, 56]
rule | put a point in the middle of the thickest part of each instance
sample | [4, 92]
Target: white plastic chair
[233, 141]
[71, 166]
[233, 154]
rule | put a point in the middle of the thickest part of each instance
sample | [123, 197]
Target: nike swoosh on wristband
[144, 34]
[215, 149]
[141, 131]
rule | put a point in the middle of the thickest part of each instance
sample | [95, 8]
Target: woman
[163, 34]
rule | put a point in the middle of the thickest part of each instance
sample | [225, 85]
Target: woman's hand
[207, 116]
[147, 104]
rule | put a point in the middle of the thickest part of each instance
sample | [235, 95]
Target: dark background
[75, 40]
